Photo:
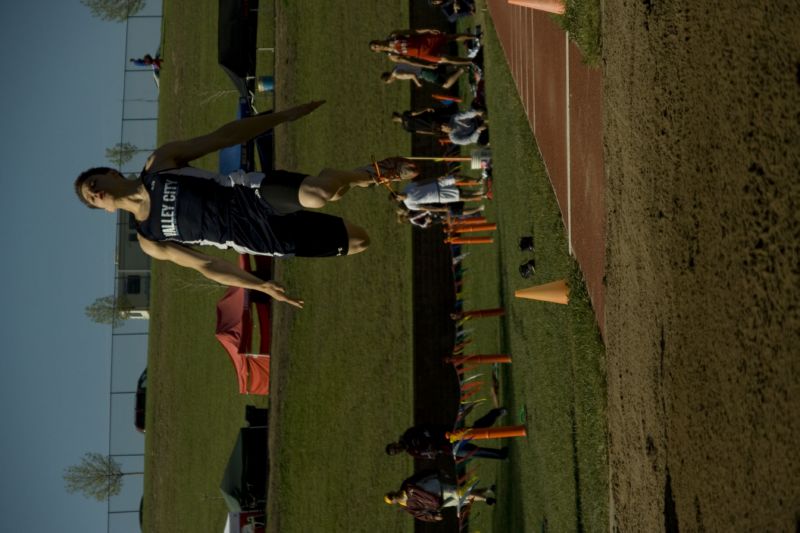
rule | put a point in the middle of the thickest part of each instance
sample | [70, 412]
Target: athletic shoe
[526, 243]
[491, 501]
[527, 269]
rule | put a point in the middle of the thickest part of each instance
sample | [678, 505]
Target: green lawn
[343, 373]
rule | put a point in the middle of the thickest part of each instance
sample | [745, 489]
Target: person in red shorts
[422, 47]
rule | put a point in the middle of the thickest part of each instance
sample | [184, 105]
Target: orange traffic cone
[556, 292]
[551, 6]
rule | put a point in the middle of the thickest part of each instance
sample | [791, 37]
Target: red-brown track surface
[563, 99]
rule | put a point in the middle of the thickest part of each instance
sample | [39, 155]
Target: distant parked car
[141, 403]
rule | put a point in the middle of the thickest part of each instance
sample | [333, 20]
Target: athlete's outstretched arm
[215, 268]
[179, 153]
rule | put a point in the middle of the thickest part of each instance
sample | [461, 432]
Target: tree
[109, 310]
[97, 476]
[114, 10]
[121, 153]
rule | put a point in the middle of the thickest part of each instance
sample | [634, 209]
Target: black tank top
[196, 210]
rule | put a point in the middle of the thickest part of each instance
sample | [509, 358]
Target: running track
[563, 100]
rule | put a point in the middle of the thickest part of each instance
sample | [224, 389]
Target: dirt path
[703, 264]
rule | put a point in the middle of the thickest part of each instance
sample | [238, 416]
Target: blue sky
[61, 106]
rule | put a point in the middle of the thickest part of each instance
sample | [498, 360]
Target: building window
[133, 285]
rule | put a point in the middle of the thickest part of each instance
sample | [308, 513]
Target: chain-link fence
[138, 134]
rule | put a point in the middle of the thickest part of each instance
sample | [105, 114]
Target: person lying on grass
[176, 206]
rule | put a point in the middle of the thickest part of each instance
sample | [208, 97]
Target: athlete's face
[98, 190]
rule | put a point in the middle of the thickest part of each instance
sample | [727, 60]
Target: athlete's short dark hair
[85, 175]
[393, 448]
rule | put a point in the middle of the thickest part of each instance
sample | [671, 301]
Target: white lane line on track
[569, 160]
[532, 79]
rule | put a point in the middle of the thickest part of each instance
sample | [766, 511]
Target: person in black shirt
[426, 121]
[427, 441]
[175, 208]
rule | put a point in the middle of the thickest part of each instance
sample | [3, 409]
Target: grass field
[557, 477]
[342, 366]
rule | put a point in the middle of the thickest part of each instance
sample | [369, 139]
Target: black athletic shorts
[311, 234]
[281, 190]
[314, 234]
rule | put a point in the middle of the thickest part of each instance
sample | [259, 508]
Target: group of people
[425, 203]
[426, 494]
[177, 207]
[422, 55]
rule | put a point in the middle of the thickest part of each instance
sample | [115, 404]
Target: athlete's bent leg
[452, 79]
[331, 184]
[357, 238]
[454, 60]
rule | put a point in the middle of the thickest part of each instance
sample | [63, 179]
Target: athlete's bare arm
[215, 269]
[424, 31]
[179, 153]
[422, 111]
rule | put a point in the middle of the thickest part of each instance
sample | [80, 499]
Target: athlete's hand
[277, 293]
[302, 110]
